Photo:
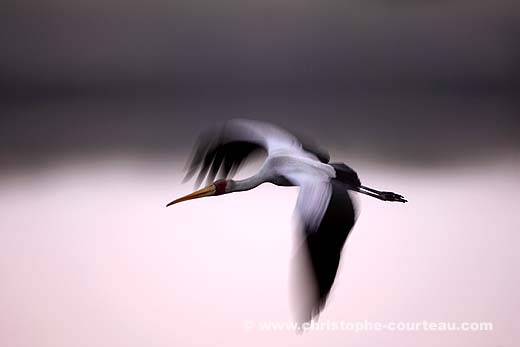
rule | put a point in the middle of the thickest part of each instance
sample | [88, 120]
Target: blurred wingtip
[186, 178]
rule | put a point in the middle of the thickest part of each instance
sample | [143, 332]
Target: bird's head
[218, 187]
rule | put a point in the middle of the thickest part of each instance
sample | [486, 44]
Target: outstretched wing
[319, 254]
[222, 150]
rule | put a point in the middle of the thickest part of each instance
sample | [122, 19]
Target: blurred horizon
[415, 130]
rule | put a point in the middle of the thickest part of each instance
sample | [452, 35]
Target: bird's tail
[345, 174]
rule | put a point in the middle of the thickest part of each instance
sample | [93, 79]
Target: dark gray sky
[417, 81]
[243, 43]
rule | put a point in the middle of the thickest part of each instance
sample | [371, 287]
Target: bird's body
[323, 205]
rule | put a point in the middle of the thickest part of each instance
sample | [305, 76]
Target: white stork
[323, 205]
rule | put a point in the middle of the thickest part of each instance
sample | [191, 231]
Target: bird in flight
[324, 207]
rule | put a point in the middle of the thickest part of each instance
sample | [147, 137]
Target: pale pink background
[89, 256]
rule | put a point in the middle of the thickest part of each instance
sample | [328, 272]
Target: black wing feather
[321, 251]
[218, 155]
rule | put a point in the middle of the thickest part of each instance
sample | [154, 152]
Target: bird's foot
[391, 196]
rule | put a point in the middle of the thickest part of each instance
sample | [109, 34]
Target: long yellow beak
[206, 191]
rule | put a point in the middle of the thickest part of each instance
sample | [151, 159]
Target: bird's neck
[247, 184]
